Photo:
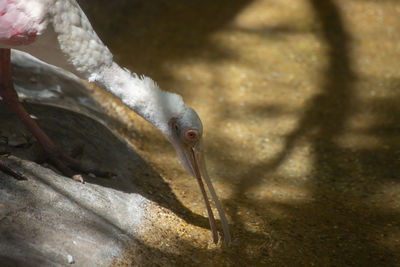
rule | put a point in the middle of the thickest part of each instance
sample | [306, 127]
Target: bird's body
[56, 32]
[59, 33]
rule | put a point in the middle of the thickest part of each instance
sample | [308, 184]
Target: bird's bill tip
[192, 158]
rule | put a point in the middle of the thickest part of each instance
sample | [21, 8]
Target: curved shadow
[336, 228]
[66, 128]
[341, 225]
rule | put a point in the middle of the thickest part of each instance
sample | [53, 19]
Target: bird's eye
[191, 134]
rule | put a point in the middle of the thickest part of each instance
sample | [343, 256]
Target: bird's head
[179, 123]
[185, 133]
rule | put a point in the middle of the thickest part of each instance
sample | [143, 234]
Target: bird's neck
[141, 94]
[76, 38]
[92, 60]
[71, 43]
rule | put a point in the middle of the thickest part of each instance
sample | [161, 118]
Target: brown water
[300, 105]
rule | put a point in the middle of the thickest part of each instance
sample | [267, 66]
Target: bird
[59, 33]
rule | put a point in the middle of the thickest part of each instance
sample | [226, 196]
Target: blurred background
[300, 105]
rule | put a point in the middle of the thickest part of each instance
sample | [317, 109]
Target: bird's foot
[71, 167]
[63, 162]
[7, 167]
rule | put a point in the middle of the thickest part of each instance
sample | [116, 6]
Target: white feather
[142, 95]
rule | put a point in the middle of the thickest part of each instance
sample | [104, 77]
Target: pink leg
[62, 161]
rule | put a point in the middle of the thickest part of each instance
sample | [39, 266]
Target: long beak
[193, 160]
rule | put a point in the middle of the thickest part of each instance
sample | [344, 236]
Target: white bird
[59, 33]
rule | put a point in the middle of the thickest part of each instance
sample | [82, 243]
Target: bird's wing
[21, 21]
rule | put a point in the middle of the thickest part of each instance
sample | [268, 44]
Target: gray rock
[50, 216]
[134, 218]
[52, 220]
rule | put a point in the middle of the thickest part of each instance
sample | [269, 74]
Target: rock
[52, 220]
[48, 216]
[70, 259]
[100, 222]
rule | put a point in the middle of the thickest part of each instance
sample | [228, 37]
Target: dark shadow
[70, 130]
[346, 217]
[146, 35]
[100, 148]
[340, 226]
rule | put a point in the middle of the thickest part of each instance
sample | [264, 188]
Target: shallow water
[300, 105]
